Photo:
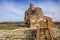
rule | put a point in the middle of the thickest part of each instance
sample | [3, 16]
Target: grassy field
[10, 26]
[7, 27]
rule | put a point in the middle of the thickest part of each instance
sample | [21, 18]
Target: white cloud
[15, 12]
[50, 9]
[11, 12]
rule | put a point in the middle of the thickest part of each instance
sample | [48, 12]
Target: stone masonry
[34, 18]
[17, 34]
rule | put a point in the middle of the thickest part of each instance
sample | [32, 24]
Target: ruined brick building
[34, 18]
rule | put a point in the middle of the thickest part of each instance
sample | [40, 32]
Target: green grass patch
[10, 27]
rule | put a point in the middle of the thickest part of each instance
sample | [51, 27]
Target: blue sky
[14, 10]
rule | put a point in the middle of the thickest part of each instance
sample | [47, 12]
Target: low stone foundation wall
[24, 34]
[17, 34]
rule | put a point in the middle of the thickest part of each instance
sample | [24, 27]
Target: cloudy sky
[14, 10]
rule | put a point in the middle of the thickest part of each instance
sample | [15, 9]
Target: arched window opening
[38, 20]
[27, 13]
[45, 20]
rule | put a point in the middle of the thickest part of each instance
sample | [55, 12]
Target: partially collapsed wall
[34, 18]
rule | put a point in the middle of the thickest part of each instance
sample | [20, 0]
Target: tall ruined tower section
[34, 18]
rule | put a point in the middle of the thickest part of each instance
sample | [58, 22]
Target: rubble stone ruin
[34, 18]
